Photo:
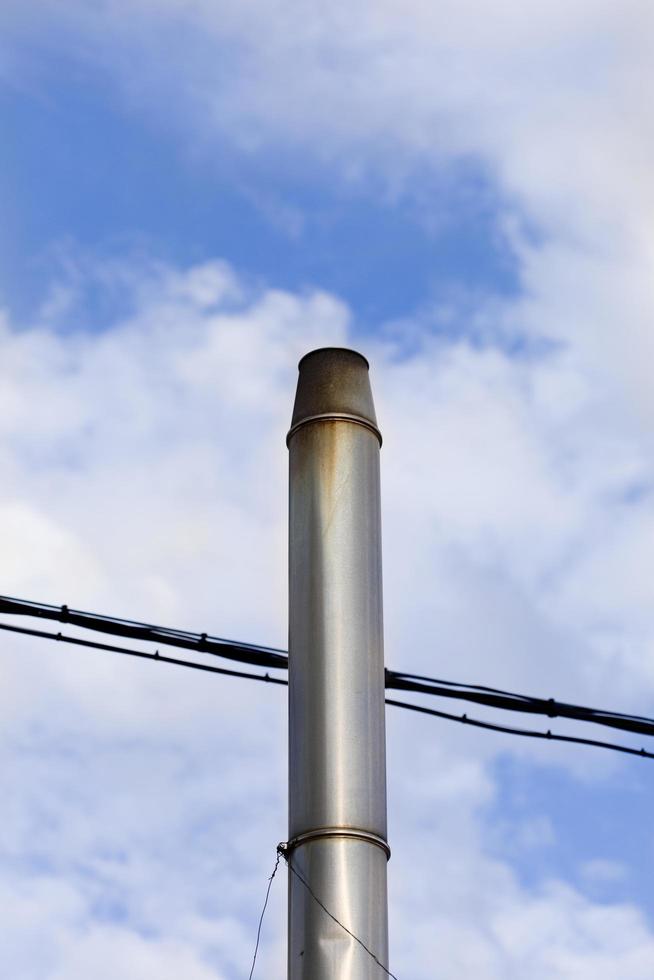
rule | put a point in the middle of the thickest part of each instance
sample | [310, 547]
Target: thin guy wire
[527, 732]
[282, 849]
[263, 912]
[464, 719]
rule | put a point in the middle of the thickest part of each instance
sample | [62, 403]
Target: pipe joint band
[334, 417]
[349, 833]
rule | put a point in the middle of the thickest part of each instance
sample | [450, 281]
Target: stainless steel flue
[337, 808]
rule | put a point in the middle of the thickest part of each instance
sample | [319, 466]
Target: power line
[199, 642]
[527, 732]
[518, 702]
[495, 690]
[156, 657]
[271, 657]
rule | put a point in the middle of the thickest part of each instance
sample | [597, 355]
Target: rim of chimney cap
[339, 350]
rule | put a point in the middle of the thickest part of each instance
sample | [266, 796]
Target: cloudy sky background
[194, 194]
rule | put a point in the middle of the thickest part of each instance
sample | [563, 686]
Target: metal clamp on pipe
[343, 832]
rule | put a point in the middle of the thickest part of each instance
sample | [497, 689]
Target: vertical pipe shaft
[337, 796]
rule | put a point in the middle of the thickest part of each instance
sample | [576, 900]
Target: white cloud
[546, 101]
[603, 871]
[145, 476]
[71, 947]
[141, 464]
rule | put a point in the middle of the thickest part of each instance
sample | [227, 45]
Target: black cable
[263, 912]
[271, 657]
[511, 694]
[42, 634]
[143, 656]
[200, 642]
[527, 732]
[519, 702]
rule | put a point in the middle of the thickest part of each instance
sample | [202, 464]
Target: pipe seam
[334, 417]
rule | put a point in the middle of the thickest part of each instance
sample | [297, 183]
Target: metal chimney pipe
[337, 759]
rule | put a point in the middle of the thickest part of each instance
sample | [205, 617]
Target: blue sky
[193, 196]
[122, 181]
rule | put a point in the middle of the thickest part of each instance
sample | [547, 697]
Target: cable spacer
[350, 833]
[334, 417]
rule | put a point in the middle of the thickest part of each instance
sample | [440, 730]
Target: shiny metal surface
[336, 674]
[349, 877]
